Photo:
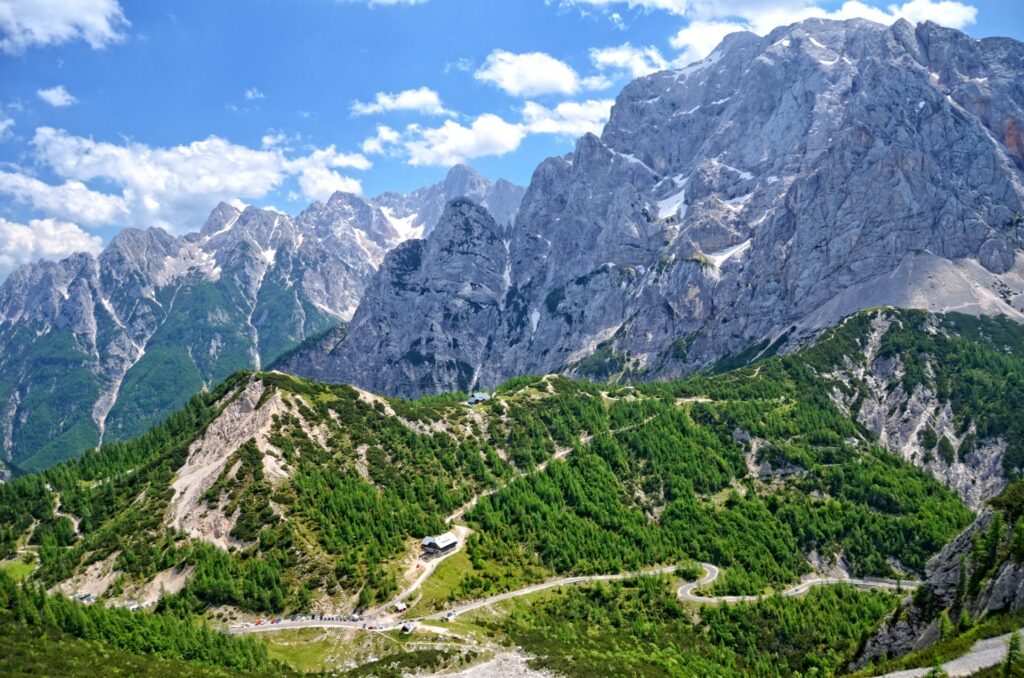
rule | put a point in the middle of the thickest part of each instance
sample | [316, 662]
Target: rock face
[756, 196]
[416, 214]
[446, 285]
[902, 419]
[953, 584]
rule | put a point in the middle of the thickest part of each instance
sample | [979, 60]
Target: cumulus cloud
[70, 200]
[697, 39]
[530, 74]
[422, 100]
[320, 183]
[253, 94]
[379, 143]
[41, 239]
[569, 118]
[57, 96]
[672, 6]
[712, 20]
[170, 187]
[6, 124]
[452, 143]
[637, 61]
[487, 134]
[29, 23]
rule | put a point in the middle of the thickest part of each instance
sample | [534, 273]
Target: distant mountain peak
[415, 214]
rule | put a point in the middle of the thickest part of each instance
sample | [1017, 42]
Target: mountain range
[761, 342]
[730, 209]
[102, 348]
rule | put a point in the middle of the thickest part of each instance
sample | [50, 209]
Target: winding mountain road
[686, 593]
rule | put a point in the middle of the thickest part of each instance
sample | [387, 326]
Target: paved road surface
[566, 581]
[686, 593]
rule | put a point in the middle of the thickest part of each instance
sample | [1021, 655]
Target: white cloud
[28, 23]
[253, 93]
[700, 37]
[487, 134]
[463, 64]
[379, 143]
[671, 6]
[41, 239]
[422, 100]
[637, 61]
[952, 14]
[452, 143]
[762, 16]
[5, 126]
[529, 74]
[320, 183]
[271, 139]
[569, 118]
[170, 187]
[57, 96]
[316, 178]
[71, 200]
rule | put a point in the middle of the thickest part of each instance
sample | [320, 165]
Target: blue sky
[119, 113]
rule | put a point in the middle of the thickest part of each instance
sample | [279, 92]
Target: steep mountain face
[446, 284]
[737, 205]
[416, 214]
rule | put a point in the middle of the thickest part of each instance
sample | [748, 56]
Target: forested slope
[274, 494]
[318, 488]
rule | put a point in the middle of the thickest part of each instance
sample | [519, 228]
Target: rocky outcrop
[912, 424]
[949, 588]
[443, 286]
[743, 202]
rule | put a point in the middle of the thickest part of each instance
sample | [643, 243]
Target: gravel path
[982, 655]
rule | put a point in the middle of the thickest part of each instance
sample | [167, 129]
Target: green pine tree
[1014, 665]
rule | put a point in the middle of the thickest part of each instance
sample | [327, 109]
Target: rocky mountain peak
[416, 214]
[221, 217]
[756, 196]
[464, 181]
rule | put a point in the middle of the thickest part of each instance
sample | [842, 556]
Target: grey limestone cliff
[751, 198]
